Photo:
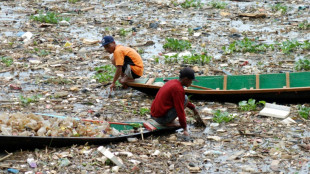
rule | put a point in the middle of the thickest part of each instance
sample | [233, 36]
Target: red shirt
[171, 95]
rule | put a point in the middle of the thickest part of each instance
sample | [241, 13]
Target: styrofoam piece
[288, 121]
[111, 156]
[274, 110]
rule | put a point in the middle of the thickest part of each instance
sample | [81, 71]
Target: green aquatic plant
[141, 51]
[171, 59]
[304, 111]
[306, 45]
[279, 7]
[156, 59]
[289, 46]
[305, 25]
[246, 45]
[218, 4]
[11, 44]
[144, 111]
[302, 64]
[58, 81]
[104, 73]
[123, 32]
[136, 125]
[27, 100]
[43, 53]
[73, 1]
[7, 61]
[176, 45]
[219, 116]
[250, 105]
[197, 59]
[191, 3]
[190, 31]
[35, 43]
[49, 17]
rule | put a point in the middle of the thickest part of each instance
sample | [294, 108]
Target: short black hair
[187, 72]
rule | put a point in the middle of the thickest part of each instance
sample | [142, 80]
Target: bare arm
[116, 76]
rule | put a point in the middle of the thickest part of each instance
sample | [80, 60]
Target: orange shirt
[122, 54]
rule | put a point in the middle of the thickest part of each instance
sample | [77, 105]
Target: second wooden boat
[281, 88]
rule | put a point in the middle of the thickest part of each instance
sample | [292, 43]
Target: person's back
[126, 55]
[127, 61]
[171, 100]
[168, 96]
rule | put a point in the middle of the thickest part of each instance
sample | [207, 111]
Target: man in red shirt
[170, 101]
[127, 61]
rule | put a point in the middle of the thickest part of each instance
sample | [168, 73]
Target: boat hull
[281, 87]
[13, 143]
[280, 96]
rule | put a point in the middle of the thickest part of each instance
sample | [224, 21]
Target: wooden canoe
[281, 88]
[11, 143]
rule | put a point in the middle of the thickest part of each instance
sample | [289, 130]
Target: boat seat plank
[150, 81]
[142, 81]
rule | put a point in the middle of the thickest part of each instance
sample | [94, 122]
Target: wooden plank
[287, 79]
[225, 83]
[201, 87]
[257, 81]
[150, 81]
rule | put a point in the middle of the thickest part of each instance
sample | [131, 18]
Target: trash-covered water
[51, 70]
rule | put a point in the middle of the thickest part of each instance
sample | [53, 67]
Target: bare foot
[125, 86]
[126, 79]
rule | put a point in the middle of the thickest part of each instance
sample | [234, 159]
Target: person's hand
[185, 133]
[112, 87]
[196, 112]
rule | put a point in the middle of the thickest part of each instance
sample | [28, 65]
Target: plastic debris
[112, 157]
[216, 138]
[274, 110]
[27, 36]
[64, 23]
[13, 170]
[64, 162]
[213, 152]
[288, 121]
[53, 126]
[32, 163]
[15, 87]
[68, 44]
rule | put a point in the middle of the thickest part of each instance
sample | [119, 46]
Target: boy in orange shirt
[127, 61]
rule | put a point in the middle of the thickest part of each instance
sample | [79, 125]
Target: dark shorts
[127, 70]
[170, 115]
